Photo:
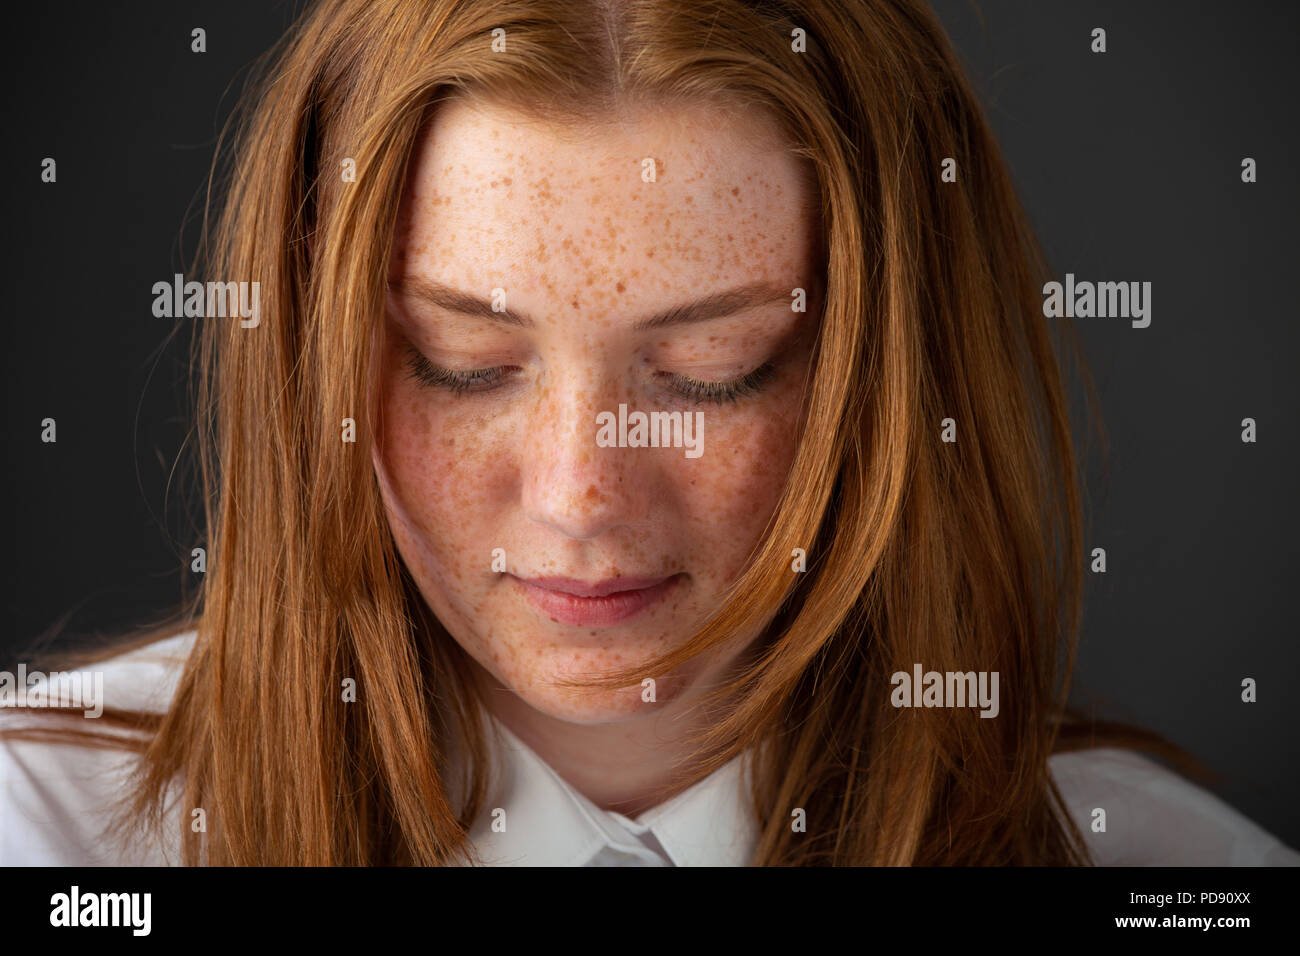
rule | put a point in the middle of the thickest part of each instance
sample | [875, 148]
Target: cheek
[734, 487]
[449, 474]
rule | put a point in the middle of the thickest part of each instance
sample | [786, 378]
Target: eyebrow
[714, 306]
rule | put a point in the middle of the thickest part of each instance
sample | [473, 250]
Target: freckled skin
[564, 223]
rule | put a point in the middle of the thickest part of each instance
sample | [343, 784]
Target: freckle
[620, 287]
[735, 190]
[493, 184]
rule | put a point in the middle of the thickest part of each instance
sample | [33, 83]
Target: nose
[572, 484]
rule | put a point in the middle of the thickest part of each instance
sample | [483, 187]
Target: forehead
[498, 198]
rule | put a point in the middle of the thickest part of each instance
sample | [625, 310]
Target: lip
[589, 604]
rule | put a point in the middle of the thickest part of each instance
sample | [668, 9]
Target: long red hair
[964, 555]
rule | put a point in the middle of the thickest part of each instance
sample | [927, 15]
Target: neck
[628, 766]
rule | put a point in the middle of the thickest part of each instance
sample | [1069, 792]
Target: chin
[580, 705]
[589, 708]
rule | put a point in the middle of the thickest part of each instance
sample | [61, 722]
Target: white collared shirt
[55, 798]
[542, 820]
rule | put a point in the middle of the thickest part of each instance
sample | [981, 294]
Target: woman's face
[549, 541]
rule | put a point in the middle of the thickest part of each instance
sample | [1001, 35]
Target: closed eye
[429, 375]
[434, 376]
[720, 393]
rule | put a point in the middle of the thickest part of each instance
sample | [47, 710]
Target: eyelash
[480, 380]
[721, 393]
[459, 383]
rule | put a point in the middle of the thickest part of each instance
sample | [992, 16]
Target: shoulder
[1154, 817]
[57, 798]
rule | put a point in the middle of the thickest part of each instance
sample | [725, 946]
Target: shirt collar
[546, 822]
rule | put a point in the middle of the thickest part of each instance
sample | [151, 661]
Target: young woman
[645, 454]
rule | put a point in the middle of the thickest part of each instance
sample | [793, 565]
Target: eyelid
[731, 390]
[434, 376]
[720, 393]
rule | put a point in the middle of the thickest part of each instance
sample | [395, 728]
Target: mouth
[590, 604]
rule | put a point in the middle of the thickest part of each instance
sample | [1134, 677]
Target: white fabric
[548, 822]
[54, 800]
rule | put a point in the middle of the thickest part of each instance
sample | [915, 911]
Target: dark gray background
[1129, 163]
